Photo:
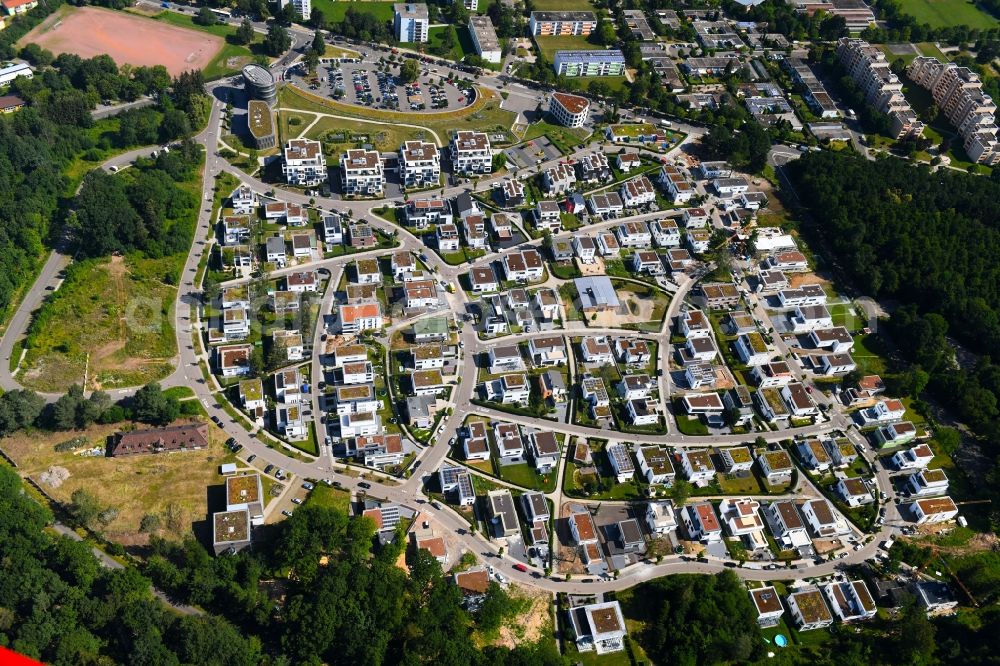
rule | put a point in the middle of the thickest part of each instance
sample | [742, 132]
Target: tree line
[22, 408]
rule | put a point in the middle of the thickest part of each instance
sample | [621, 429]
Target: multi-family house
[646, 261]
[697, 466]
[701, 522]
[471, 153]
[422, 213]
[593, 168]
[547, 216]
[786, 524]
[637, 192]
[483, 279]
[524, 266]
[304, 164]
[809, 610]
[474, 230]
[823, 520]
[633, 235]
[544, 450]
[559, 179]
[419, 164]
[776, 466]
[665, 233]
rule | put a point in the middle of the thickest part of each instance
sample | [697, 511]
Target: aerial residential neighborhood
[499, 332]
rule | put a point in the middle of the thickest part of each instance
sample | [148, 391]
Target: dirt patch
[799, 279]
[127, 38]
[596, 268]
[529, 627]
[824, 546]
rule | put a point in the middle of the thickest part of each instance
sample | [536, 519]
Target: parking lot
[368, 84]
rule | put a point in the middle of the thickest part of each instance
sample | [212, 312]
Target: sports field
[91, 31]
[945, 13]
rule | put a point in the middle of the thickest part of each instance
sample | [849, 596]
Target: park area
[173, 486]
[108, 325]
[946, 13]
[128, 39]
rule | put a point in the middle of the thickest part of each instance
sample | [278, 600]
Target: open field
[549, 44]
[111, 320]
[92, 31]
[231, 58]
[945, 13]
[174, 484]
[335, 11]
[483, 114]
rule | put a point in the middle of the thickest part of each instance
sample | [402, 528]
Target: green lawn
[583, 82]
[335, 11]
[691, 425]
[946, 13]
[230, 59]
[524, 475]
[563, 138]
[330, 498]
[461, 42]
[549, 45]
[338, 134]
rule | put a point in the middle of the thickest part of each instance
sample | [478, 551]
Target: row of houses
[362, 171]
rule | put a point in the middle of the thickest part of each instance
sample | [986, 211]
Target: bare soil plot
[127, 38]
[175, 486]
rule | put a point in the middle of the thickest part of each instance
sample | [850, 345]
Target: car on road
[365, 485]
[286, 512]
[521, 567]
[434, 504]
[251, 457]
[237, 448]
[296, 500]
[308, 486]
[217, 421]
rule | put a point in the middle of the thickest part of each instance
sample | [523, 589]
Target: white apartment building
[958, 92]
[304, 163]
[419, 164]
[869, 69]
[471, 153]
[411, 22]
[609, 62]
[361, 172]
[484, 38]
[569, 110]
[562, 23]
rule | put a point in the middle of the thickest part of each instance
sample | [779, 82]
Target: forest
[58, 605]
[930, 240]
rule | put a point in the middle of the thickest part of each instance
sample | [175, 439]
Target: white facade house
[809, 610]
[471, 153]
[304, 164]
[655, 465]
[934, 510]
[569, 110]
[411, 22]
[484, 38]
[419, 164]
[361, 172]
[697, 466]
